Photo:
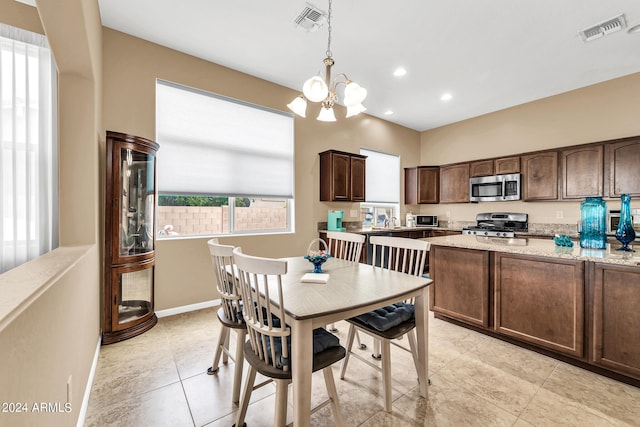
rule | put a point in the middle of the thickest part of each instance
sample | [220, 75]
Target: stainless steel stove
[499, 224]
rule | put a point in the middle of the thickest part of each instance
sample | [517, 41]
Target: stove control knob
[486, 233]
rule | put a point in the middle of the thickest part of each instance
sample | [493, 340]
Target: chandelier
[316, 89]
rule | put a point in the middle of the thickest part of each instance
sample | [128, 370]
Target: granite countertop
[360, 230]
[539, 247]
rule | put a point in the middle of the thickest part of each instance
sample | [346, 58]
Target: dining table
[352, 288]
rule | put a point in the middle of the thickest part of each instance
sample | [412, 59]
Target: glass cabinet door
[133, 294]
[137, 202]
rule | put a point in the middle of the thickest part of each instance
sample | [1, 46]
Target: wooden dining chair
[388, 324]
[346, 246]
[269, 345]
[229, 314]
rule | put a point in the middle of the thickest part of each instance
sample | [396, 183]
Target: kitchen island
[577, 305]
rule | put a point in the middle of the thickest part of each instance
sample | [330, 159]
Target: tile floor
[159, 379]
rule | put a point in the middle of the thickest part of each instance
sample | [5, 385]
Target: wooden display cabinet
[129, 254]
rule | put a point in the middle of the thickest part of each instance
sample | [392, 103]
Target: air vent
[604, 28]
[310, 19]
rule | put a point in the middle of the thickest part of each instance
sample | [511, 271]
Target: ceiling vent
[604, 28]
[310, 19]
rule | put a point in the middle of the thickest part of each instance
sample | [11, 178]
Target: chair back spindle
[345, 245]
[260, 281]
[223, 264]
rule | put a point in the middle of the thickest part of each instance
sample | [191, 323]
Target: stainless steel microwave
[426, 220]
[495, 188]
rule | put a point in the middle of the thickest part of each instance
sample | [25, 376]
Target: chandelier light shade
[327, 115]
[298, 106]
[317, 89]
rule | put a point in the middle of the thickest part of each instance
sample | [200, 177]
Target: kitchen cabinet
[129, 251]
[582, 172]
[621, 162]
[440, 233]
[507, 165]
[481, 168]
[460, 288]
[541, 301]
[342, 176]
[540, 176]
[454, 183]
[421, 185]
[616, 319]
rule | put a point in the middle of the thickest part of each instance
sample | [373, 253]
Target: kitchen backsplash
[534, 229]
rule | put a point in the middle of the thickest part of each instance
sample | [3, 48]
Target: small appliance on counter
[334, 221]
[499, 224]
[411, 220]
[426, 220]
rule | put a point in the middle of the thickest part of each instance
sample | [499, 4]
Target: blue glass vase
[625, 232]
[593, 221]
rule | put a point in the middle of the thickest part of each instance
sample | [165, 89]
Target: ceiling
[489, 54]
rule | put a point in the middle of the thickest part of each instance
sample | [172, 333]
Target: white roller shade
[213, 145]
[383, 177]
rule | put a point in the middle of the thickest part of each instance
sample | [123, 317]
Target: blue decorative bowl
[317, 261]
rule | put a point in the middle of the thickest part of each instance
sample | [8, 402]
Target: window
[383, 188]
[224, 166]
[28, 174]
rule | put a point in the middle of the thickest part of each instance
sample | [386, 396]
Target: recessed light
[388, 113]
[399, 72]
[446, 97]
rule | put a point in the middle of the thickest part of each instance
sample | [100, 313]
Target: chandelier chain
[329, 53]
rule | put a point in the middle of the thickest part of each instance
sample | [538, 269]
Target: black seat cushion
[385, 318]
[322, 340]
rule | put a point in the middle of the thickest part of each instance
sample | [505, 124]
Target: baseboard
[187, 308]
[87, 390]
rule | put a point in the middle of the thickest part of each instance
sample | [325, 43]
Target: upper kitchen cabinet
[622, 167]
[481, 168]
[540, 176]
[582, 172]
[454, 183]
[506, 165]
[421, 185]
[342, 176]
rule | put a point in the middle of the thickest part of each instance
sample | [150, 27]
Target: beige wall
[50, 307]
[183, 267]
[596, 113]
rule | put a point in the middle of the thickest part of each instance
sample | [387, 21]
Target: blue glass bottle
[625, 232]
[593, 220]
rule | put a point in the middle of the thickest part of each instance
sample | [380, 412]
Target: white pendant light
[298, 106]
[316, 89]
[354, 94]
[327, 115]
[354, 110]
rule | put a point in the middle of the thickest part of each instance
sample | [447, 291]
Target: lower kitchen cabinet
[616, 319]
[461, 284]
[541, 301]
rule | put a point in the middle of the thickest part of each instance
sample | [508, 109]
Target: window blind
[28, 150]
[383, 177]
[214, 145]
